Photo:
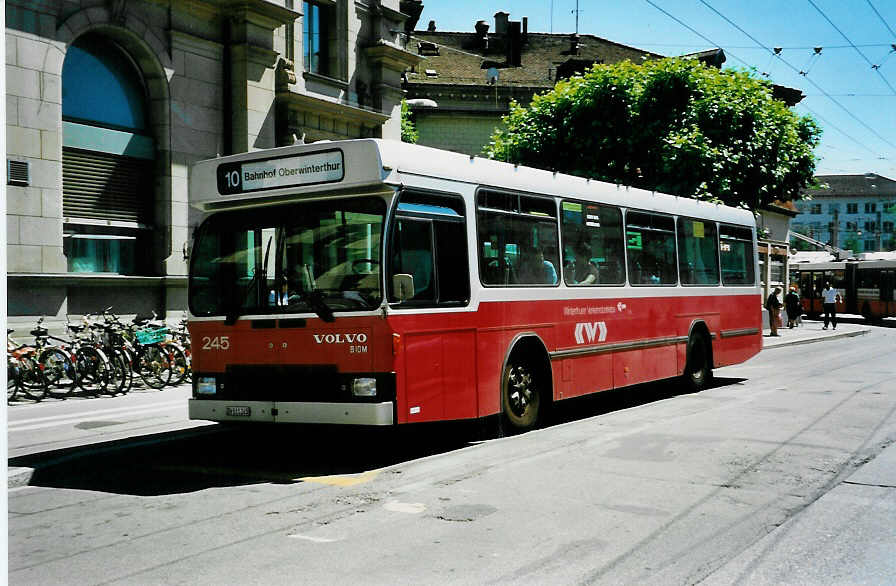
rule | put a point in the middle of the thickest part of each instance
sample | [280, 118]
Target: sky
[849, 83]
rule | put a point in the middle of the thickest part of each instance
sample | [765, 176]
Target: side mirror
[403, 286]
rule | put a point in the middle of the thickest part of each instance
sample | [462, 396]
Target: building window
[317, 37]
[815, 209]
[852, 208]
[108, 158]
[870, 245]
[888, 227]
[852, 226]
[870, 226]
[870, 207]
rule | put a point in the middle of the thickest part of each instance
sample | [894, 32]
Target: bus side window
[698, 253]
[592, 244]
[650, 239]
[413, 255]
[737, 255]
[430, 244]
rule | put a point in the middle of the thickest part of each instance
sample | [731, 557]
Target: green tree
[408, 130]
[670, 125]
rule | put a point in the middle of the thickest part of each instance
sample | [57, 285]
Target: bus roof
[369, 165]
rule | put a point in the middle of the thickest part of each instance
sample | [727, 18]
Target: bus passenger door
[436, 365]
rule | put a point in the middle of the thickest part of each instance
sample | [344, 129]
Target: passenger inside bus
[584, 270]
[534, 268]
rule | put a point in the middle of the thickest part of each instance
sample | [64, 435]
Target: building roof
[868, 184]
[459, 58]
[522, 59]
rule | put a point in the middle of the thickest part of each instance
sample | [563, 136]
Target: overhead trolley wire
[874, 67]
[810, 80]
[881, 18]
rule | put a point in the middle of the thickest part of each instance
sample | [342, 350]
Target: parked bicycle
[23, 371]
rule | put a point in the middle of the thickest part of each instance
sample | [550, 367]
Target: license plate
[239, 411]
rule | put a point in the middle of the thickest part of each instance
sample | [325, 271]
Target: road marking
[343, 479]
[101, 415]
[410, 508]
[311, 538]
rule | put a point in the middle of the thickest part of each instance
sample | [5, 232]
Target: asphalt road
[755, 480]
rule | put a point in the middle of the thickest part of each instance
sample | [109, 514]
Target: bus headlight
[206, 385]
[364, 387]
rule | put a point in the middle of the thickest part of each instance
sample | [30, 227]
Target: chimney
[514, 44]
[525, 30]
[432, 26]
[482, 34]
[501, 18]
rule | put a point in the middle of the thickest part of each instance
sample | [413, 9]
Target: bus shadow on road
[225, 456]
[627, 397]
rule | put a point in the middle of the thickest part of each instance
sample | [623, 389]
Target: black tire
[154, 366]
[60, 371]
[121, 376]
[180, 366]
[698, 368]
[32, 382]
[521, 396]
[12, 379]
[93, 370]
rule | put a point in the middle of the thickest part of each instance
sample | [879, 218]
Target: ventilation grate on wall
[18, 173]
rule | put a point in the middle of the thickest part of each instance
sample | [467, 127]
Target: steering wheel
[360, 261]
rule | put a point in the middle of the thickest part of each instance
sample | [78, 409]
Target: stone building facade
[109, 102]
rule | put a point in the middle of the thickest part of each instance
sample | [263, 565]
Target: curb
[19, 476]
[781, 343]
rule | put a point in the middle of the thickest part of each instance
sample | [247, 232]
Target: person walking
[793, 307]
[831, 298]
[773, 305]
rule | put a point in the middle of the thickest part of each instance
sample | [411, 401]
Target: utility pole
[835, 229]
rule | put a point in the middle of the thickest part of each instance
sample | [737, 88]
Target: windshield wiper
[313, 297]
[258, 276]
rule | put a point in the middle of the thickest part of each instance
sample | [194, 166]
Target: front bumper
[293, 412]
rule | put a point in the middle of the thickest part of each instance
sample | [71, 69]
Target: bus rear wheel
[698, 368]
[520, 396]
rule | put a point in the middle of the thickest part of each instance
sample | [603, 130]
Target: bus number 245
[216, 343]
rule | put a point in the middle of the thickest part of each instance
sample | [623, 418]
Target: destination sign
[243, 177]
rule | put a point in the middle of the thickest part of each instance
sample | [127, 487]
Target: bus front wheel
[698, 368]
[520, 396]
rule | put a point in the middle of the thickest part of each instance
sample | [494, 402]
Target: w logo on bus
[589, 331]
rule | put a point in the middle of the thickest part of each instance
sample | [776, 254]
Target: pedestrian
[831, 298]
[773, 305]
[793, 307]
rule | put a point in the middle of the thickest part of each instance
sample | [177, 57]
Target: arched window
[97, 73]
[107, 160]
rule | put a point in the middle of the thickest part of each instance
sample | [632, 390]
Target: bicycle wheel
[12, 379]
[155, 369]
[59, 369]
[121, 376]
[33, 383]
[180, 366]
[93, 370]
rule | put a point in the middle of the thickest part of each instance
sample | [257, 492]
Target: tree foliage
[408, 129]
[670, 125]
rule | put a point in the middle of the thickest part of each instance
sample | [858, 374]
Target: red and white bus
[375, 282]
[866, 287]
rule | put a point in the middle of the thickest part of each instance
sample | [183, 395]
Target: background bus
[865, 286]
[380, 283]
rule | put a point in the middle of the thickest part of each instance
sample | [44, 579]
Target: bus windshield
[316, 257]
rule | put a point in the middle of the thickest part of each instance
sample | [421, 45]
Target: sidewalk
[811, 331]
